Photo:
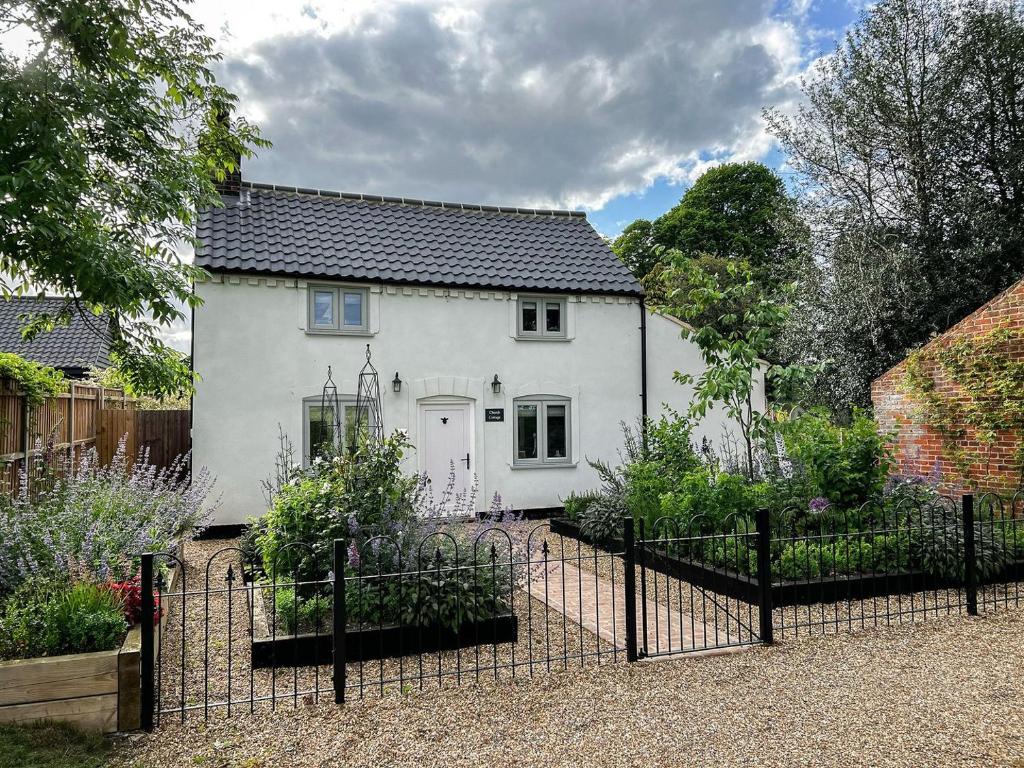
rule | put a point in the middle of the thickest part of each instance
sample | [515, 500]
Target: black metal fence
[493, 603]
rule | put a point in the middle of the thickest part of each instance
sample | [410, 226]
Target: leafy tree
[738, 327]
[910, 142]
[112, 129]
[637, 249]
[736, 211]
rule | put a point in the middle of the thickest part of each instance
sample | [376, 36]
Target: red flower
[130, 593]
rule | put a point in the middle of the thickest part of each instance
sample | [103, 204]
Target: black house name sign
[494, 414]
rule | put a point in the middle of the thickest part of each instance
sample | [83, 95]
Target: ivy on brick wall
[984, 397]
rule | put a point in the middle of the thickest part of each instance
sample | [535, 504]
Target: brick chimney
[232, 183]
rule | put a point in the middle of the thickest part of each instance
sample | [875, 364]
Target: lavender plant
[90, 522]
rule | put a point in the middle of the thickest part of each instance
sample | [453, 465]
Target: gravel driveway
[945, 693]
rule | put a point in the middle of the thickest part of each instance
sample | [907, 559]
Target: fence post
[970, 556]
[764, 576]
[338, 630]
[147, 654]
[629, 560]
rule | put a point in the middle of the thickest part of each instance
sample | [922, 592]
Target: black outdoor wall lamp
[496, 385]
[396, 383]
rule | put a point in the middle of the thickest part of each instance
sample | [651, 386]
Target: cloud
[521, 102]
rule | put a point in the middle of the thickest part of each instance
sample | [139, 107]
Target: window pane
[321, 430]
[354, 309]
[556, 423]
[351, 438]
[323, 308]
[529, 311]
[526, 431]
[553, 317]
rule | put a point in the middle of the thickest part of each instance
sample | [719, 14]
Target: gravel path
[943, 693]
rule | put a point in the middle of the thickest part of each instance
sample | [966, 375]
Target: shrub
[353, 496]
[365, 499]
[601, 523]
[92, 521]
[716, 497]
[846, 465]
[576, 503]
[47, 619]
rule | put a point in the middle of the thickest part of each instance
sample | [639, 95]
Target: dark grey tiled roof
[80, 344]
[308, 233]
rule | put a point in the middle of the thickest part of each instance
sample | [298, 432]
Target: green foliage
[351, 496]
[111, 135]
[844, 556]
[437, 590]
[38, 382]
[576, 503]
[113, 378]
[916, 220]
[987, 400]
[846, 465]
[601, 523]
[51, 745]
[312, 613]
[732, 211]
[50, 619]
[712, 496]
[733, 348]
[637, 249]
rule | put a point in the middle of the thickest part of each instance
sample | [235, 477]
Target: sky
[609, 106]
[613, 107]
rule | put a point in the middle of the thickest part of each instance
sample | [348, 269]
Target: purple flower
[819, 504]
[353, 555]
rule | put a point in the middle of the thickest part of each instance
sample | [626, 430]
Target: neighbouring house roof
[331, 235]
[79, 345]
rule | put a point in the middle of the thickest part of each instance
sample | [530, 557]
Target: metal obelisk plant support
[369, 421]
[330, 417]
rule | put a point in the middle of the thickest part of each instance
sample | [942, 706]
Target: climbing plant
[986, 397]
[36, 381]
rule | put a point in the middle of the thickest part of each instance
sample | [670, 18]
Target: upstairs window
[338, 309]
[542, 431]
[541, 317]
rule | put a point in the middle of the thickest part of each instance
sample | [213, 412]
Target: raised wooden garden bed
[367, 642]
[97, 691]
[826, 589]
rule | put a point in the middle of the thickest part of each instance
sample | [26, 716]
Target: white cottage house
[510, 341]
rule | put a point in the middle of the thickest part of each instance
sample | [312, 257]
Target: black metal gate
[683, 607]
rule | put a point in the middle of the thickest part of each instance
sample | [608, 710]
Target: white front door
[446, 455]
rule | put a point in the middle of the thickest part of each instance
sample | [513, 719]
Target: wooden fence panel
[64, 426]
[165, 434]
[116, 424]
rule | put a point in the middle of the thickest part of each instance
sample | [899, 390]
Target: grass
[51, 745]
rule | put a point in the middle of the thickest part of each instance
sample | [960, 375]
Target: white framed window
[318, 426]
[541, 317]
[542, 431]
[338, 309]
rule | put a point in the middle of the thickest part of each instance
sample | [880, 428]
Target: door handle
[467, 461]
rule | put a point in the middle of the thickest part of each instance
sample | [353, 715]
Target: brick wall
[919, 449]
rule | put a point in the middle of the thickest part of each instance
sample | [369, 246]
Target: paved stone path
[587, 599]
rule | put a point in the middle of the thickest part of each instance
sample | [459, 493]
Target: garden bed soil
[366, 643]
[826, 589]
[97, 691]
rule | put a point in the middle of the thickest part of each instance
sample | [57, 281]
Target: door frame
[450, 401]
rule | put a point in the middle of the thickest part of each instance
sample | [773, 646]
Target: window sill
[323, 332]
[542, 338]
[547, 465]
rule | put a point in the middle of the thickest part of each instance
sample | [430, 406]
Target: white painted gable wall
[257, 364]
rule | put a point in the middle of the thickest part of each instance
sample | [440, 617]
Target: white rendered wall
[257, 363]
